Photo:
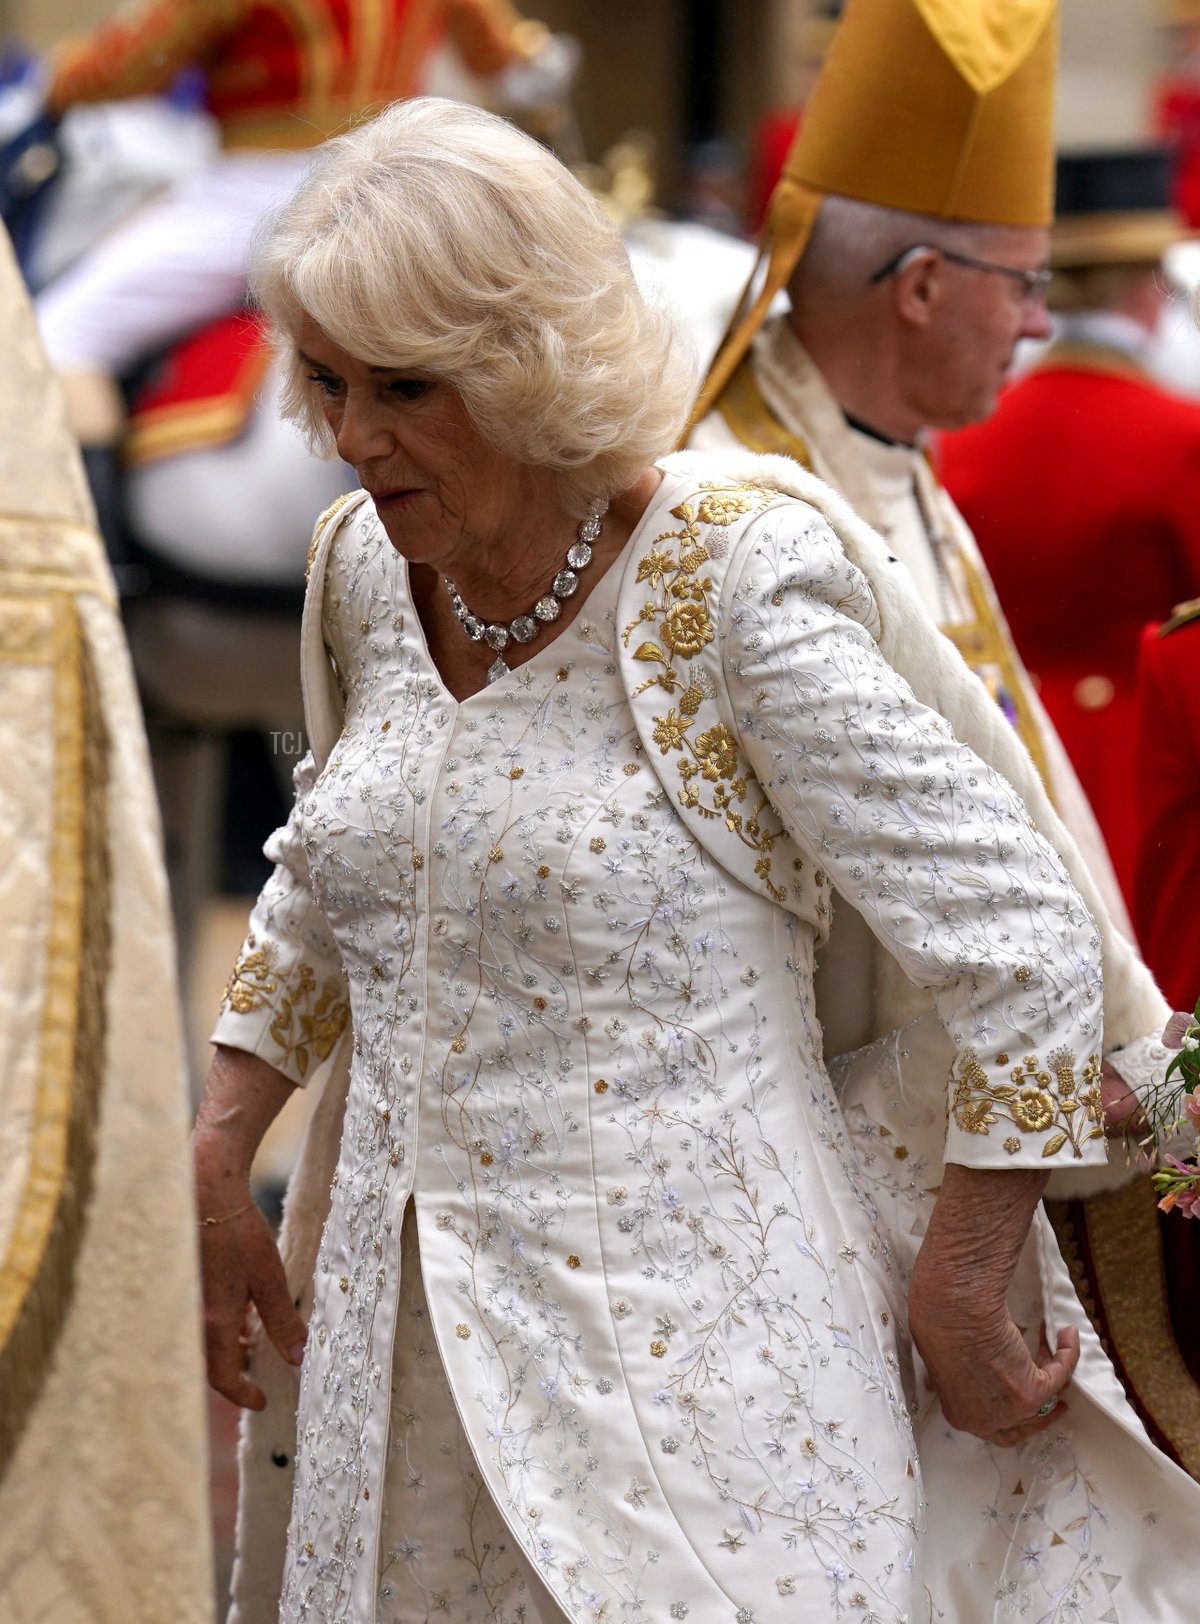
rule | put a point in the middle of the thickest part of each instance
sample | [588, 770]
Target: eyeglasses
[1033, 283]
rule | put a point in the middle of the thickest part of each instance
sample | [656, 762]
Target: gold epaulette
[1182, 615]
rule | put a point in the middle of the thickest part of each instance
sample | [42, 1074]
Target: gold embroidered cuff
[1054, 1107]
[289, 1017]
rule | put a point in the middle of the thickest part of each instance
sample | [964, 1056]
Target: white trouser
[178, 263]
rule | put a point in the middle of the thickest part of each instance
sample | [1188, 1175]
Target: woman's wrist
[943, 1298]
[975, 1235]
[242, 1097]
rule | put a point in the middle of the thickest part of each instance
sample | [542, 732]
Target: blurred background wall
[1112, 51]
[40, 21]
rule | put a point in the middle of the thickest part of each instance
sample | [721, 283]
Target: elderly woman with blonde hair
[615, 1309]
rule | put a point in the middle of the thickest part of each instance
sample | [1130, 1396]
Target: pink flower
[1176, 1029]
[1191, 1104]
[1189, 1201]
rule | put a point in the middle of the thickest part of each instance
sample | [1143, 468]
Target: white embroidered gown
[650, 1363]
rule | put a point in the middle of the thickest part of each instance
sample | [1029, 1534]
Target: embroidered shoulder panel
[323, 524]
[670, 602]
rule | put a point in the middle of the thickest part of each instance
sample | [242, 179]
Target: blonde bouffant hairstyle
[439, 237]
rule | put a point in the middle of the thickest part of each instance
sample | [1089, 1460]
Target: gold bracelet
[208, 1223]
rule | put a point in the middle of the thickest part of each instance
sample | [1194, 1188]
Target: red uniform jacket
[1166, 896]
[1083, 489]
[1177, 122]
[280, 73]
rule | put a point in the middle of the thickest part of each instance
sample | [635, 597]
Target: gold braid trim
[1112, 1245]
[330, 513]
[42, 556]
[37, 1274]
[984, 642]
[751, 421]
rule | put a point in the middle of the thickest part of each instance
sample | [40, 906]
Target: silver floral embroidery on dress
[655, 1277]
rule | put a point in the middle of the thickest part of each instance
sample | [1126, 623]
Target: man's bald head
[928, 343]
[851, 240]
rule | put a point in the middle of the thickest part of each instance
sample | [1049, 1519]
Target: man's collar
[857, 424]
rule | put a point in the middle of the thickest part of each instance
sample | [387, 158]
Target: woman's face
[444, 495]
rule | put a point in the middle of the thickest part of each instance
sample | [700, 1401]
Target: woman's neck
[506, 584]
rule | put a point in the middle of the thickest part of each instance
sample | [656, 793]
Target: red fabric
[1166, 897]
[308, 63]
[1084, 492]
[1177, 122]
[209, 364]
[777, 129]
[204, 390]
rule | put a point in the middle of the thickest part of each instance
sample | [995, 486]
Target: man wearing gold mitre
[910, 231]
[103, 1509]
[910, 234]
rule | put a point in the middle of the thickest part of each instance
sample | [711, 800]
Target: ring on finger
[1048, 1408]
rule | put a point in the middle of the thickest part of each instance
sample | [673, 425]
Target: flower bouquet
[1178, 1181]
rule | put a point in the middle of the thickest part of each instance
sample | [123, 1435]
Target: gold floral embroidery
[1035, 1100]
[687, 629]
[684, 615]
[307, 1022]
[655, 567]
[310, 1021]
[716, 752]
[252, 979]
[670, 731]
[723, 507]
[329, 514]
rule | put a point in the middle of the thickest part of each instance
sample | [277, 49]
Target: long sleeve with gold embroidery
[138, 51]
[286, 999]
[927, 842]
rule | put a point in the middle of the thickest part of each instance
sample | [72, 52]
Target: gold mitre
[1179, 13]
[941, 107]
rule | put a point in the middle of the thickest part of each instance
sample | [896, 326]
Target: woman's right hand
[239, 1261]
[988, 1380]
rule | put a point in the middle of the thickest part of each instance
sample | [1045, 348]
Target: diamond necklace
[526, 627]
